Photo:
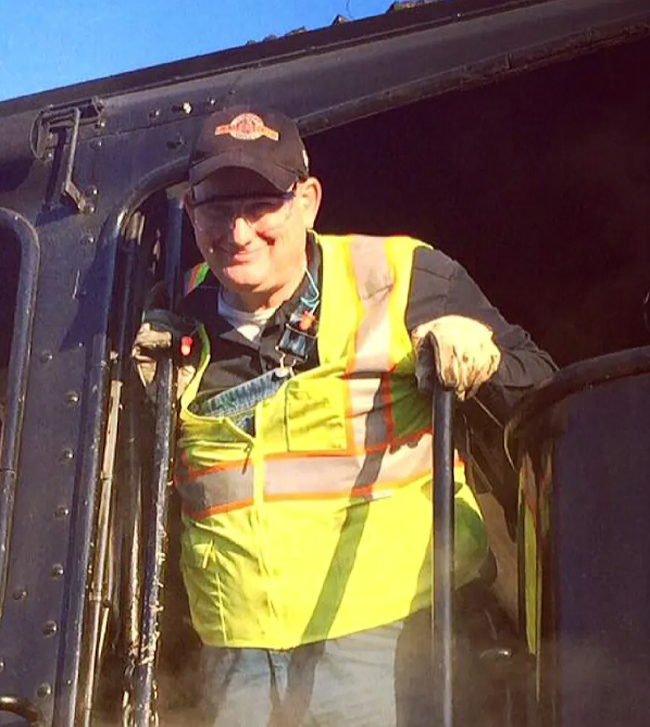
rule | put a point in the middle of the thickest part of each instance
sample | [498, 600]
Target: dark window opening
[539, 185]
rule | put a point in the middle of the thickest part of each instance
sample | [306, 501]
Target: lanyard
[299, 336]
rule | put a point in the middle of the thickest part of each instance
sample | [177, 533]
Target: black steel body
[582, 442]
[76, 165]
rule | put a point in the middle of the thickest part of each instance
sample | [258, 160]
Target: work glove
[164, 333]
[458, 351]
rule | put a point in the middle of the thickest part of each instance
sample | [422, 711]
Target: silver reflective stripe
[371, 409]
[219, 490]
[374, 281]
[378, 469]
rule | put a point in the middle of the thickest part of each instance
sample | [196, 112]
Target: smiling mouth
[235, 252]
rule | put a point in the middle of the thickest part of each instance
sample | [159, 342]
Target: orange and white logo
[247, 127]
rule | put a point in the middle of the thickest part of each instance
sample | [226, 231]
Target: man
[304, 446]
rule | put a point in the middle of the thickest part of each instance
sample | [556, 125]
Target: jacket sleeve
[441, 286]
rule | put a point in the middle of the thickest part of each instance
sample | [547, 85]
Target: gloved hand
[160, 333]
[458, 351]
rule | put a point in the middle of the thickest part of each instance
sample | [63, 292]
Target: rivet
[91, 191]
[66, 455]
[57, 571]
[72, 398]
[88, 240]
[100, 123]
[46, 356]
[154, 114]
[2, 664]
[96, 144]
[19, 594]
[49, 155]
[45, 690]
[49, 628]
[175, 143]
[89, 208]
[212, 101]
[187, 107]
[61, 512]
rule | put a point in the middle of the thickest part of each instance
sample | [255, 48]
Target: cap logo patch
[247, 127]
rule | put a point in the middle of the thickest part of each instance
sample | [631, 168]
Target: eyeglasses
[263, 213]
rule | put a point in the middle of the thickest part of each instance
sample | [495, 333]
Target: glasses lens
[263, 213]
[266, 212]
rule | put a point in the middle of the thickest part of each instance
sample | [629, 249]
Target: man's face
[257, 248]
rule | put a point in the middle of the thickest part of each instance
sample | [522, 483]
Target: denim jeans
[238, 403]
[335, 683]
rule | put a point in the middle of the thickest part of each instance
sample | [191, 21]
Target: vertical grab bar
[443, 556]
[144, 707]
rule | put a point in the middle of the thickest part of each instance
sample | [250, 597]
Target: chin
[241, 280]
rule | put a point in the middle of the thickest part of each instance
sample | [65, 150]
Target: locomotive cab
[514, 138]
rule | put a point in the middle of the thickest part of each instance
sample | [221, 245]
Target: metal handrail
[23, 708]
[144, 678]
[443, 557]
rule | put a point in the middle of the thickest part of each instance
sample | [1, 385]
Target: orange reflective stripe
[218, 489]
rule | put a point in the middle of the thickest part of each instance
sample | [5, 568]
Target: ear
[189, 211]
[308, 196]
[185, 197]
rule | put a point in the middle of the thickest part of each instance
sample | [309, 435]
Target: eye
[215, 212]
[255, 209]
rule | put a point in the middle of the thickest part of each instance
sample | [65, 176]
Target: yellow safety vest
[320, 525]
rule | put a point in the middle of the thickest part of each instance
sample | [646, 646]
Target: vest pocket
[316, 414]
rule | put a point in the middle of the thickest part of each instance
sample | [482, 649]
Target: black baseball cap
[263, 140]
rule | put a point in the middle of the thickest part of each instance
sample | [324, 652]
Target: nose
[241, 232]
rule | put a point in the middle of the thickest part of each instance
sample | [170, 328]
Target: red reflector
[186, 345]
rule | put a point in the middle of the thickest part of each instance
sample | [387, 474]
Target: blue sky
[49, 43]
